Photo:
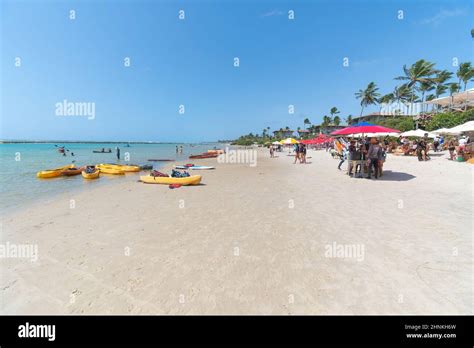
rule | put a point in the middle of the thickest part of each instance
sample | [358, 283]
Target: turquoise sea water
[19, 163]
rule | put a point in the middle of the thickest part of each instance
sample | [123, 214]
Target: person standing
[118, 152]
[272, 151]
[343, 158]
[451, 148]
[303, 153]
[435, 144]
[297, 152]
[374, 155]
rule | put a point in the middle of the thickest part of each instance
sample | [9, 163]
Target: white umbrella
[420, 133]
[276, 143]
[466, 127]
[443, 131]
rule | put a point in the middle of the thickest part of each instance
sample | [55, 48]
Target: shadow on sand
[389, 175]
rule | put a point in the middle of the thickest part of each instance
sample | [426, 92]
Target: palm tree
[465, 73]
[326, 121]
[349, 120]
[334, 111]
[337, 120]
[367, 96]
[306, 121]
[418, 73]
[386, 99]
[425, 86]
[453, 88]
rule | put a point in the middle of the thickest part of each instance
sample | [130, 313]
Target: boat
[92, 174]
[204, 155]
[195, 167]
[160, 160]
[218, 151]
[124, 167]
[110, 170]
[52, 173]
[100, 151]
[72, 171]
[146, 167]
[167, 180]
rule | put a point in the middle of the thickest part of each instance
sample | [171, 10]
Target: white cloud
[442, 15]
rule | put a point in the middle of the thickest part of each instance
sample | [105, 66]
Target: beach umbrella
[443, 131]
[420, 133]
[276, 143]
[364, 127]
[465, 127]
[289, 141]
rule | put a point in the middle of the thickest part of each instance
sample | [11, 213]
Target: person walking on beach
[296, 148]
[118, 152]
[272, 151]
[343, 158]
[451, 148]
[303, 153]
[374, 154]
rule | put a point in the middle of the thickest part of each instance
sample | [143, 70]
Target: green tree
[349, 119]
[334, 111]
[420, 72]
[337, 120]
[306, 122]
[465, 73]
[367, 96]
[326, 121]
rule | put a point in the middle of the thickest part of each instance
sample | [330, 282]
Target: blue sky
[191, 62]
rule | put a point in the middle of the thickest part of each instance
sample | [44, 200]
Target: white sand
[237, 246]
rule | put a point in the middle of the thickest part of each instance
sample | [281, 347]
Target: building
[303, 132]
[377, 117]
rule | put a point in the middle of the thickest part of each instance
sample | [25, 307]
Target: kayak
[52, 173]
[109, 170]
[146, 167]
[98, 151]
[204, 155]
[160, 160]
[72, 171]
[94, 175]
[124, 167]
[218, 151]
[195, 167]
[167, 180]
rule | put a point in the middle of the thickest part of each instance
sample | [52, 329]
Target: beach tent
[364, 127]
[466, 127]
[420, 133]
[289, 141]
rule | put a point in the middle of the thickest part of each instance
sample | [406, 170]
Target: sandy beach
[252, 240]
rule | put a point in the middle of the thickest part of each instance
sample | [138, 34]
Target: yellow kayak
[124, 167]
[190, 180]
[109, 170]
[53, 173]
[93, 175]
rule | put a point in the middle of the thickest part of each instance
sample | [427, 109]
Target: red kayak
[204, 155]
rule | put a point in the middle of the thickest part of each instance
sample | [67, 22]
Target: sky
[188, 64]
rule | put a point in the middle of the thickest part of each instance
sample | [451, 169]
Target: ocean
[19, 186]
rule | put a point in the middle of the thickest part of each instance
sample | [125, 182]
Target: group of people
[369, 154]
[419, 147]
[300, 153]
[179, 149]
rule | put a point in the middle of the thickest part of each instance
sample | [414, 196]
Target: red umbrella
[364, 127]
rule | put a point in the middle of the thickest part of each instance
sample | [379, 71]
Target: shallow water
[19, 163]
